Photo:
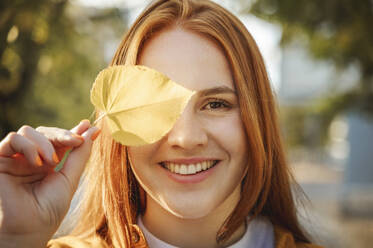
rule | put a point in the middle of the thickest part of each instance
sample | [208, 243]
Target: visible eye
[217, 104]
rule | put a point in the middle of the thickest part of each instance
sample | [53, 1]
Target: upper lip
[188, 160]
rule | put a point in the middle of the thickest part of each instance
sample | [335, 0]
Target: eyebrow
[217, 90]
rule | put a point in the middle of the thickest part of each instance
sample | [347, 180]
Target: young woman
[235, 187]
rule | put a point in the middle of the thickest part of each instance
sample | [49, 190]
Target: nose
[188, 132]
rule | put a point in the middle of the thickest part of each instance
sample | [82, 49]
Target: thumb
[78, 157]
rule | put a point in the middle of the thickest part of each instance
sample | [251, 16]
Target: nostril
[187, 132]
[187, 140]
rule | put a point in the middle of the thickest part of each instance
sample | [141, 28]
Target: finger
[44, 146]
[14, 144]
[61, 137]
[78, 129]
[18, 165]
[75, 163]
[81, 127]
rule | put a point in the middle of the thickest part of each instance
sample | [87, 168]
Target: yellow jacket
[283, 239]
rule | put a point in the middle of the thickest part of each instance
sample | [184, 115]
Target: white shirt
[259, 234]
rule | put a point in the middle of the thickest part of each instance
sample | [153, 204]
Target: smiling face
[174, 171]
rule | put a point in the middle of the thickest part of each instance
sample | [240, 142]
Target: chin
[189, 211]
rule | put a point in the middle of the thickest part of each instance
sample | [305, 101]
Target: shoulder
[76, 242]
[284, 239]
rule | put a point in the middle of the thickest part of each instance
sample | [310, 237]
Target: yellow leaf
[140, 104]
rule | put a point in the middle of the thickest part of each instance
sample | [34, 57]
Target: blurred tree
[50, 53]
[336, 30]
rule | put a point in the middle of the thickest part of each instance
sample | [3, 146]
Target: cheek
[228, 132]
[229, 135]
[141, 159]
[140, 155]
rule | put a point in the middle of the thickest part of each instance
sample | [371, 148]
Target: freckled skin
[203, 130]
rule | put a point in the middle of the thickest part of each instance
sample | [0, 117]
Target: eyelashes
[216, 104]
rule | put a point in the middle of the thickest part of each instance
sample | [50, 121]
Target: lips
[191, 168]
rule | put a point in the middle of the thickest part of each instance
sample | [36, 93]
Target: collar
[259, 234]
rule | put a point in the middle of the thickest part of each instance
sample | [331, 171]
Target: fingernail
[38, 161]
[55, 158]
[16, 155]
[94, 136]
[84, 120]
[77, 136]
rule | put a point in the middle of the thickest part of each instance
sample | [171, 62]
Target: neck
[200, 232]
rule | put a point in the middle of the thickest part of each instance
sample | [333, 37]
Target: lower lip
[193, 178]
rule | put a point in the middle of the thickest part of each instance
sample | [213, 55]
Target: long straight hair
[113, 198]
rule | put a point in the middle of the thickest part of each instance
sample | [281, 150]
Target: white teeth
[183, 169]
[199, 167]
[188, 169]
[191, 169]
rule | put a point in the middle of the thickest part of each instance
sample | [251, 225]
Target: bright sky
[266, 35]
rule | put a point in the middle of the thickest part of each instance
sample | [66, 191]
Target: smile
[189, 169]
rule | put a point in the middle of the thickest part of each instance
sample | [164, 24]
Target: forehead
[188, 59]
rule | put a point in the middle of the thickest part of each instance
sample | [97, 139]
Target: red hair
[113, 198]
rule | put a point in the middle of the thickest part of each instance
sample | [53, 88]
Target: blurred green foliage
[50, 54]
[335, 30]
